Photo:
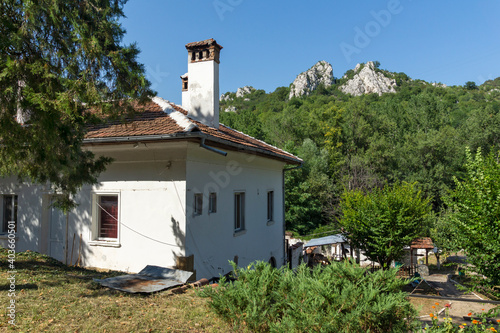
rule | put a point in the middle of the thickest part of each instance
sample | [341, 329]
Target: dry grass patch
[52, 297]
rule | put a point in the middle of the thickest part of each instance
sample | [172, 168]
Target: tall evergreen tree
[58, 60]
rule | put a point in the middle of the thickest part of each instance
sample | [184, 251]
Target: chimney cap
[206, 42]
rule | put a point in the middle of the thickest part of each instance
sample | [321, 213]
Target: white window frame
[14, 201]
[96, 223]
[239, 211]
[212, 202]
[270, 206]
[198, 204]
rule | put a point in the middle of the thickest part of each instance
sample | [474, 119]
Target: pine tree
[58, 60]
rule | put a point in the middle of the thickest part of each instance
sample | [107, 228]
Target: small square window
[9, 212]
[270, 206]
[198, 203]
[212, 203]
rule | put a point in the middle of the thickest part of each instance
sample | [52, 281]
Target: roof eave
[191, 135]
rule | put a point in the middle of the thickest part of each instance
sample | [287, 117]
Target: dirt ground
[441, 283]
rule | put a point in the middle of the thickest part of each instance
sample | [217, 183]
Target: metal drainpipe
[283, 201]
[215, 150]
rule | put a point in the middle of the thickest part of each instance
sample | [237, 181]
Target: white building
[181, 186]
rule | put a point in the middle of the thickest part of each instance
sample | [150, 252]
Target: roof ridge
[181, 119]
[263, 142]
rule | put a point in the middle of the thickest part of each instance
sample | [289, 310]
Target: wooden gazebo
[421, 243]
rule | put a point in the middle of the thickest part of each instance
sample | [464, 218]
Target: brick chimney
[200, 85]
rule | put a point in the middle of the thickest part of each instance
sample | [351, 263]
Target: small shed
[421, 243]
[337, 241]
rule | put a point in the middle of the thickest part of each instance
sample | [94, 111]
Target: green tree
[475, 216]
[470, 85]
[383, 221]
[58, 60]
[442, 233]
[308, 190]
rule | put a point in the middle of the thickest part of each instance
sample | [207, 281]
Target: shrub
[341, 297]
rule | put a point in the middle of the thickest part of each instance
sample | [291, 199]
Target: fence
[404, 271]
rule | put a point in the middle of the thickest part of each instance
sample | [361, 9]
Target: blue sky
[268, 43]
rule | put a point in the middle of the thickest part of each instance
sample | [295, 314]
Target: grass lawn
[51, 297]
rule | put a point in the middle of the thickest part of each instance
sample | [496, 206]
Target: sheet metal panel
[148, 280]
[332, 239]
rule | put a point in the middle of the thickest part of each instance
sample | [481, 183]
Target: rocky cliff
[368, 80]
[308, 81]
[241, 92]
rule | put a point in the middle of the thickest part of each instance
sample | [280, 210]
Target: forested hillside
[418, 134]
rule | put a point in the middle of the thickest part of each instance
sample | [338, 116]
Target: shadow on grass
[6, 287]
[49, 272]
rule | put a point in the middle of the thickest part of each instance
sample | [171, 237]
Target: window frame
[96, 217]
[239, 211]
[198, 204]
[212, 202]
[14, 207]
[270, 206]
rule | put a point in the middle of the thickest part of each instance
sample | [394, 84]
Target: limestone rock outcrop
[226, 97]
[367, 80]
[241, 92]
[244, 91]
[306, 82]
[230, 108]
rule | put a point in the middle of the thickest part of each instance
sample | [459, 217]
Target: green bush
[341, 297]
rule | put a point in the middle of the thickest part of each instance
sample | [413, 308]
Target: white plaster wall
[29, 213]
[154, 198]
[203, 92]
[151, 205]
[185, 100]
[210, 237]
[150, 181]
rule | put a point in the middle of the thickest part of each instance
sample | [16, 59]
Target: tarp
[333, 239]
[148, 280]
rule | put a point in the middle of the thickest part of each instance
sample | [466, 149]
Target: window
[198, 203]
[212, 203]
[270, 206]
[239, 211]
[9, 212]
[107, 216]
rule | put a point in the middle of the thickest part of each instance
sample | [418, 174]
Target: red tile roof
[206, 42]
[152, 120]
[422, 243]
